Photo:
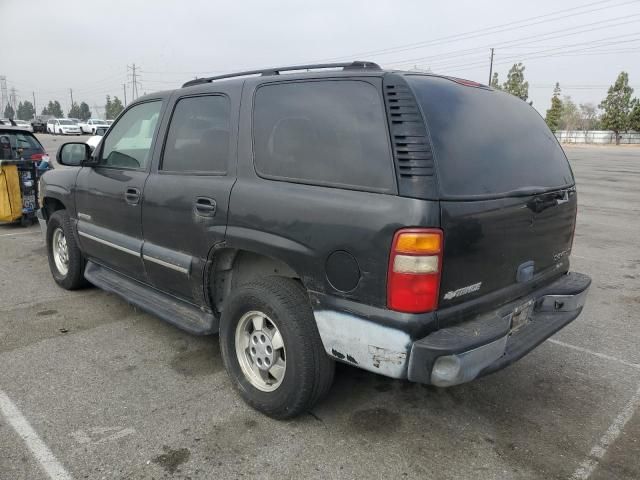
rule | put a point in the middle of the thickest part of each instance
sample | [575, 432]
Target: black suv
[417, 226]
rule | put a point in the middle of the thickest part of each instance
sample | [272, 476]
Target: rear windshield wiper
[528, 191]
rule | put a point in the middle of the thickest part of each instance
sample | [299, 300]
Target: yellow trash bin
[10, 197]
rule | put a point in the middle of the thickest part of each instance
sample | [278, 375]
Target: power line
[535, 55]
[529, 39]
[485, 31]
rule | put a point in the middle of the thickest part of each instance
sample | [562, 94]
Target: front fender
[59, 184]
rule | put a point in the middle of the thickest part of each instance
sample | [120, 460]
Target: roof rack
[357, 65]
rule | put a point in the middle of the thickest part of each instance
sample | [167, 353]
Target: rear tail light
[37, 156]
[413, 281]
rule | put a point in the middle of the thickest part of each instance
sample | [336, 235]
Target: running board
[172, 310]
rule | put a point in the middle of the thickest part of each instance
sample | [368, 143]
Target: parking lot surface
[92, 388]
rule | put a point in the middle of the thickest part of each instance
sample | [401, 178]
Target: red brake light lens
[415, 264]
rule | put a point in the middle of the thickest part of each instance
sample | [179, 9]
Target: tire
[73, 278]
[308, 372]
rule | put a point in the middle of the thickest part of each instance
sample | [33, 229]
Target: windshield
[66, 122]
[488, 142]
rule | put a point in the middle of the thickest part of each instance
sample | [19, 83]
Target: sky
[48, 48]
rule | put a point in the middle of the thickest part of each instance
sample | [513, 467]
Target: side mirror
[73, 154]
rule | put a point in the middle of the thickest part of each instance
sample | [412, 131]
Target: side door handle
[205, 207]
[132, 195]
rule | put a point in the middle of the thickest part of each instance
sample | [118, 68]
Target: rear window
[11, 144]
[488, 142]
[323, 132]
[198, 138]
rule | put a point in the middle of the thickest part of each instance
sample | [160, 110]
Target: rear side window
[488, 142]
[323, 132]
[198, 138]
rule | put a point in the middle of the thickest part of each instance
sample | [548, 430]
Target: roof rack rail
[357, 65]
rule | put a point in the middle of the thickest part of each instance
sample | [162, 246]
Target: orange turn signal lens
[419, 242]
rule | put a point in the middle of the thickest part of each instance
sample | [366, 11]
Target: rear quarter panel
[302, 225]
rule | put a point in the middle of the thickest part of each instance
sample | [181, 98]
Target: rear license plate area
[521, 315]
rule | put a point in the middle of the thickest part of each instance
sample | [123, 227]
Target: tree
[8, 111]
[75, 111]
[570, 117]
[85, 113]
[634, 116]
[617, 106]
[112, 108]
[53, 108]
[116, 108]
[25, 110]
[554, 114]
[494, 82]
[515, 83]
[588, 116]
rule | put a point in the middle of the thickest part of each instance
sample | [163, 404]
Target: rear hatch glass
[506, 190]
[487, 142]
[17, 145]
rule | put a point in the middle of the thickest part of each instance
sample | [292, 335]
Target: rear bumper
[484, 345]
[460, 353]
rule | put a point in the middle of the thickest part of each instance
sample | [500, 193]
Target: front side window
[324, 133]
[128, 144]
[198, 137]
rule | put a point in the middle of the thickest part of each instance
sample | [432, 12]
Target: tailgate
[493, 244]
[507, 193]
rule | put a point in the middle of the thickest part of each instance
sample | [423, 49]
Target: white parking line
[18, 233]
[595, 354]
[40, 451]
[588, 466]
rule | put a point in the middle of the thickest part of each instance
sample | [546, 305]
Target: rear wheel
[271, 348]
[66, 261]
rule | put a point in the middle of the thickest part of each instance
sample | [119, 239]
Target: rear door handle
[132, 195]
[205, 207]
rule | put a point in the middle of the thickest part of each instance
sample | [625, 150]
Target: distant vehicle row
[73, 126]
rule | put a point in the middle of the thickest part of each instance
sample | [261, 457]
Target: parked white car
[92, 124]
[95, 140]
[24, 125]
[63, 126]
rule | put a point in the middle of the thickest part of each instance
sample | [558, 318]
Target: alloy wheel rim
[60, 251]
[260, 351]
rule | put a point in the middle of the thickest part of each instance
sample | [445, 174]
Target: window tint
[488, 142]
[198, 138]
[13, 145]
[323, 132]
[129, 141]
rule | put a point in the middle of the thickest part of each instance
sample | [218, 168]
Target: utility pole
[71, 93]
[13, 99]
[5, 96]
[134, 81]
[491, 68]
[35, 109]
[124, 90]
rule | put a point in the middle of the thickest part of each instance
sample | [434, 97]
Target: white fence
[596, 136]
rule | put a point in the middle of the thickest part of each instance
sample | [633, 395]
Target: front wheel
[271, 348]
[66, 261]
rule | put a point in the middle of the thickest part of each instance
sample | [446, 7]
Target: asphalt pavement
[91, 387]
